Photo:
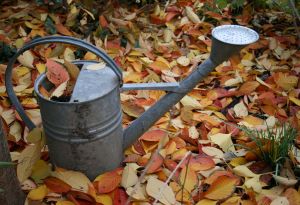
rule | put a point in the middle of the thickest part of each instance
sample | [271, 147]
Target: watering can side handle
[51, 39]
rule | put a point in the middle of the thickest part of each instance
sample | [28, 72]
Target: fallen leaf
[280, 201]
[108, 181]
[240, 110]
[160, 191]
[188, 178]
[26, 59]
[243, 171]
[75, 179]
[56, 185]
[191, 15]
[224, 141]
[129, 175]
[40, 170]
[153, 135]
[56, 73]
[156, 163]
[38, 193]
[292, 196]
[28, 157]
[221, 188]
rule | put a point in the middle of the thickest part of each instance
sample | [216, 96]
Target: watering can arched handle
[44, 40]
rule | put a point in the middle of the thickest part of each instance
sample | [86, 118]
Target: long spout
[150, 116]
[226, 40]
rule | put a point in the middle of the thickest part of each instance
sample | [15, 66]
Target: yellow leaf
[294, 100]
[104, 199]
[243, 171]
[15, 130]
[206, 202]
[287, 82]
[224, 141]
[28, 157]
[38, 193]
[160, 191]
[221, 188]
[41, 67]
[40, 170]
[188, 178]
[76, 180]
[35, 135]
[238, 161]
[64, 203]
[21, 70]
[253, 120]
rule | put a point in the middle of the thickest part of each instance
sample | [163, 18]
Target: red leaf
[56, 73]
[56, 185]
[103, 22]
[120, 197]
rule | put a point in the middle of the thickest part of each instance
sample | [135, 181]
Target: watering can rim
[43, 76]
[254, 34]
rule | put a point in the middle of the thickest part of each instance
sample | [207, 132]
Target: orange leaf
[218, 174]
[202, 163]
[62, 29]
[103, 22]
[188, 178]
[156, 20]
[155, 164]
[248, 87]
[157, 66]
[108, 181]
[293, 196]
[153, 135]
[56, 73]
[56, 185]
[221, 188]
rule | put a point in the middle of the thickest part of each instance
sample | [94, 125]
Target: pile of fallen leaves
[195, 154]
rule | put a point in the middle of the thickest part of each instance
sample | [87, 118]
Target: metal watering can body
[86, 133]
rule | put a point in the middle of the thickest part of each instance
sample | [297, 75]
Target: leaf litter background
[194, 155]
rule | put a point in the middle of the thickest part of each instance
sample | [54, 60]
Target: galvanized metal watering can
[86, 133]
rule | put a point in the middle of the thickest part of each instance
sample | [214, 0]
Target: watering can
[86, 133]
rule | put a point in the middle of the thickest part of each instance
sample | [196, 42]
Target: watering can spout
[226, 41]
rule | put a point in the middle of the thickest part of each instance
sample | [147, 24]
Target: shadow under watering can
[86, 133]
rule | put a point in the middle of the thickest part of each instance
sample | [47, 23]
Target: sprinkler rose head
[230, 39]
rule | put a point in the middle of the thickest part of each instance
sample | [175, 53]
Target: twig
[172, 174]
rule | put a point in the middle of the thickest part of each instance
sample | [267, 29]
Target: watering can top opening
[235, 35]
[94, 81]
